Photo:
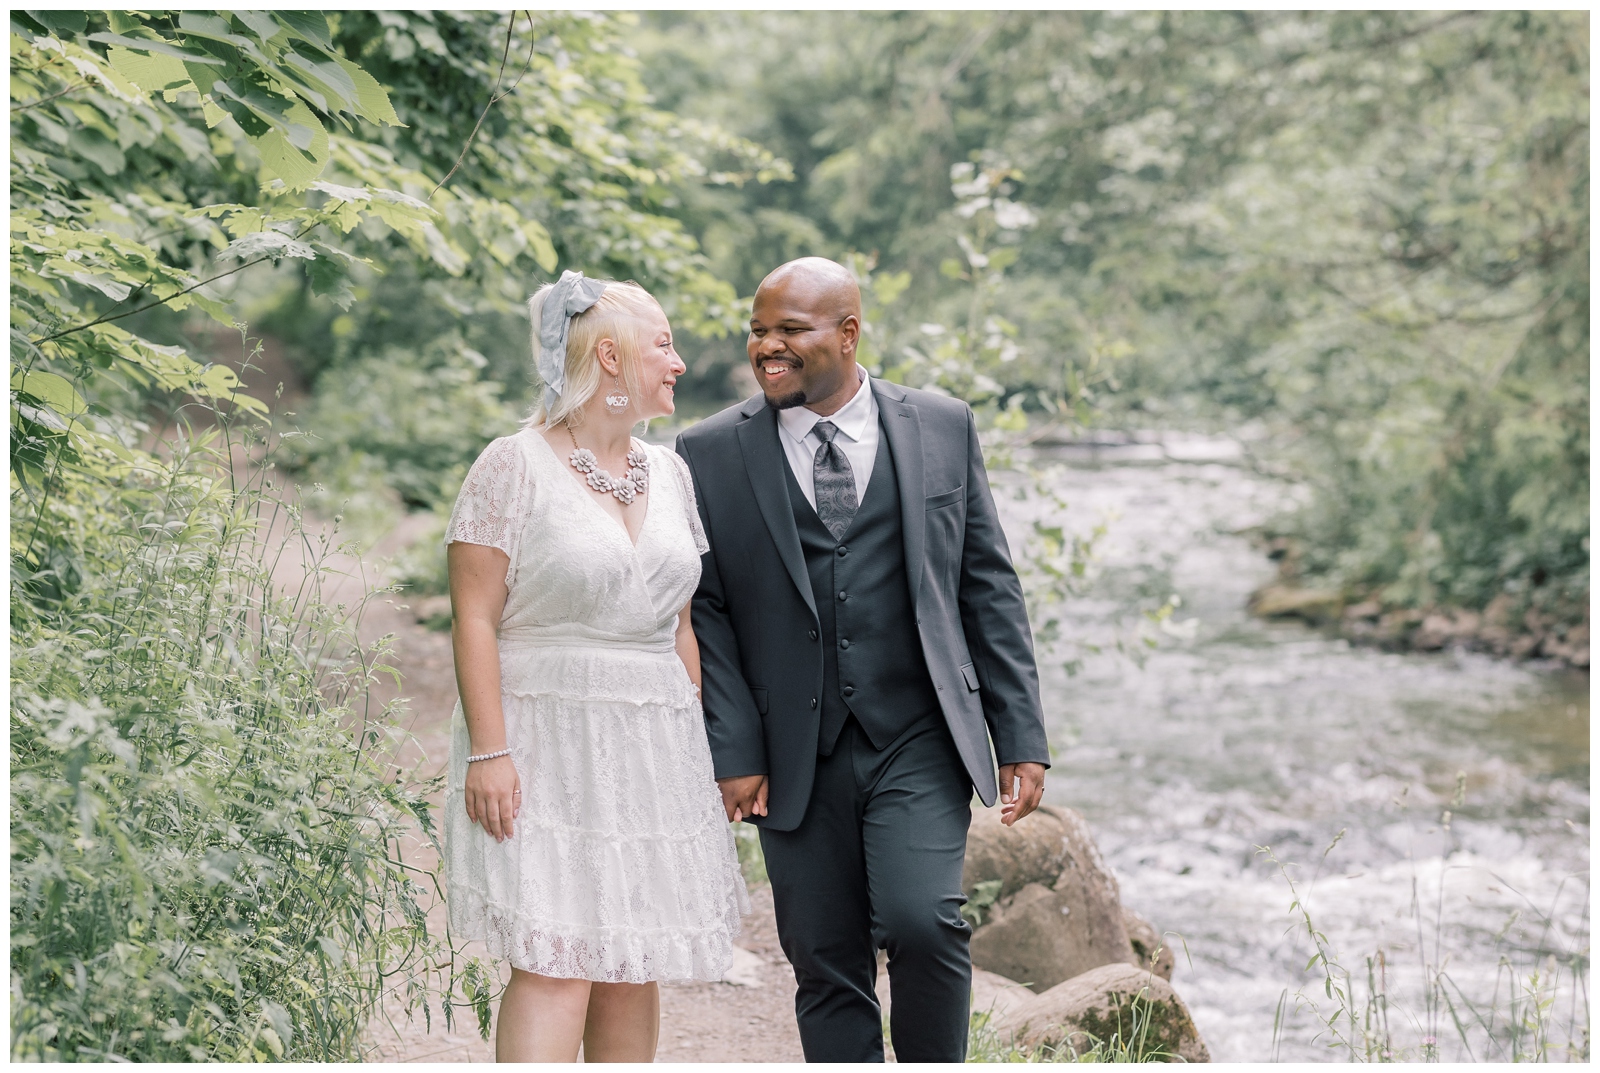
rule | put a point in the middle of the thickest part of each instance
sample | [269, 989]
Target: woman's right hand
[494, 795]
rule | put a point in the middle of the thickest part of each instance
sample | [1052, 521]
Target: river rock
[1100, 1003]
[1150, 949]
[1287, 601]
[1042, 936]
[1032, 850]
[1054, 928]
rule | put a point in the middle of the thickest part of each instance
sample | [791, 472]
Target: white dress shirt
[857, 422]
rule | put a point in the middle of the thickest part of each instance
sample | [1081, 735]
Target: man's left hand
[1021, 790]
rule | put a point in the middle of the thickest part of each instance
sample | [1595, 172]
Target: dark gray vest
[872, 661]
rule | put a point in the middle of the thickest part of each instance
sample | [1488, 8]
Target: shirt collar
[850, 419]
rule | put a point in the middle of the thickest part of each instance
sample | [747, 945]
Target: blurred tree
[1367, 231]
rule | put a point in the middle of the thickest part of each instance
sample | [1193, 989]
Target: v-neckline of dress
[583, 493]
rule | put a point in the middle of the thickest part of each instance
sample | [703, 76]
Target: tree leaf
[544, 251]
[328, 78]
[309, 26]
[266, 243]
[150, 71]
[165, 48]
[282, 159]
[54, 391]
[372, 97]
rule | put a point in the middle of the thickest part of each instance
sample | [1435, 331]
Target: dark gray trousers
[876, 863]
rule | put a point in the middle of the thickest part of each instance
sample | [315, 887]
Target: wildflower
[1429, 1041]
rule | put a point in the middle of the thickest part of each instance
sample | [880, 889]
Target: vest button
[843, 596]
[813, 635]
[843, 551]
[813, 702]
[844, 642]
[848, 691]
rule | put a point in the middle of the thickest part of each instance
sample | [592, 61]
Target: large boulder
[1117, 1005]
[1042, 937]
[1150, 948]
[1030, 851]
[1046, 927]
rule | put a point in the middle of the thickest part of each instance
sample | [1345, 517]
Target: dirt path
[749, 1018]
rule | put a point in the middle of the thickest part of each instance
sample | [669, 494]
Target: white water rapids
[1237, 734]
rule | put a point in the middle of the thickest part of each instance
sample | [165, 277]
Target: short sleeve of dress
[680, 469]
[494, 498]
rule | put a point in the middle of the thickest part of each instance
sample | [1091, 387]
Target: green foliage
[134, 186]
[984, 895]
[987, 1043]
[407, 419]
[205, 832]
[1365, 231]
[752, 861]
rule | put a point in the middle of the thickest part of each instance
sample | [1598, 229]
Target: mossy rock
[1121, 1007]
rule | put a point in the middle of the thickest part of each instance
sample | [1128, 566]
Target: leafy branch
[495, 96]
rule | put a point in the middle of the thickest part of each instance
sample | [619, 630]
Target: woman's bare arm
[478, 598]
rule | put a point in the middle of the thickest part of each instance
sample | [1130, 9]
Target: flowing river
[1238, 734]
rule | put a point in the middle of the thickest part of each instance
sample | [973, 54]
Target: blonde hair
[619, 316]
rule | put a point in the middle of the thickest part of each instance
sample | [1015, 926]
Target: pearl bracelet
[488, 756]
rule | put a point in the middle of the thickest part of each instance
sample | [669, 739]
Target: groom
[863, 639]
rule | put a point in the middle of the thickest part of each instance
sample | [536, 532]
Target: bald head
[804, 326]
[818, 283]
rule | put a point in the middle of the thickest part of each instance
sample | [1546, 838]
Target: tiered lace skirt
[622, 868]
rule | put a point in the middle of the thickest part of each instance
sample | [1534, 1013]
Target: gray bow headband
[572, 294]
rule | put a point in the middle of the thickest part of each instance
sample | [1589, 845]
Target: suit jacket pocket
[760, 696]
[970, 673]
[944, 499]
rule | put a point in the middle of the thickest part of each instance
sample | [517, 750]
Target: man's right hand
[744, 795]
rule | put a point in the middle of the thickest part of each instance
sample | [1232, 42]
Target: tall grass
[1520, 1019]
[987, 1042]
[206, 822]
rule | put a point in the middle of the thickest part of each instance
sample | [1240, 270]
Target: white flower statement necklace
[626, 489]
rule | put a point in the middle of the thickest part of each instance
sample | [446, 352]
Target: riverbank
[1508, 626]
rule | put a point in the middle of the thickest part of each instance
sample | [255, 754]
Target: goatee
[787, 402]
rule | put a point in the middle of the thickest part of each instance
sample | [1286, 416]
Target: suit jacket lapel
[763, 460]
[903, 427]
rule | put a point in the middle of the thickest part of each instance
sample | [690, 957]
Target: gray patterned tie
[835, 482]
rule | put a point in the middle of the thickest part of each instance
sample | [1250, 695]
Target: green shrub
[400, 427]
[205, 823]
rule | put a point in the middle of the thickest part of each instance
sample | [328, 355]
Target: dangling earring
[616, 401]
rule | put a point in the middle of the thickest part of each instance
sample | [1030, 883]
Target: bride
[585, 837]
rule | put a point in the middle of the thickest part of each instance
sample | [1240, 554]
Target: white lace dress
[622, 867]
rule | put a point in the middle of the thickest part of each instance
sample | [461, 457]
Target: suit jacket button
[813, 635]
[843, 595]
[844, 642]
[843, 551]
[848, 691]
[813, 702]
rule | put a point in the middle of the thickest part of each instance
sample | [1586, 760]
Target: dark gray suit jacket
[754, 609]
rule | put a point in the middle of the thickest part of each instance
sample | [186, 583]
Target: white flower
[1013, 216]
[970, 209]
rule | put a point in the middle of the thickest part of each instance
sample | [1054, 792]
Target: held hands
[494, 795]
[743, 795]
[1021, 789]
